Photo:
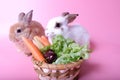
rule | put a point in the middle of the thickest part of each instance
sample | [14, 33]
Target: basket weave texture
[57, 71]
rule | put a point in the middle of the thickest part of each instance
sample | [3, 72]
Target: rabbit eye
[58, 25]
[18, 30]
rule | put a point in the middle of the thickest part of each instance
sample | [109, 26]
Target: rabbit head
[59, 25]
[22, 27]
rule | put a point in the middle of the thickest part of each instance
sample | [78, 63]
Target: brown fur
[28, 28]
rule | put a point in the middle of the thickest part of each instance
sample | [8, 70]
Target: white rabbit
[59, 26]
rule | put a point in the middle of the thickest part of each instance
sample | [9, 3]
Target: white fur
[75, 32]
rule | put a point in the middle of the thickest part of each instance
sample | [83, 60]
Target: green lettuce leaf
[67, 50]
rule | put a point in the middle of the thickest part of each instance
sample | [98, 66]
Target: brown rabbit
[25, 27]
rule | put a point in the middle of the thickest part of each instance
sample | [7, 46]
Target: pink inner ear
[65, 13]
[71, 17]
[21, 16]
[28, 17]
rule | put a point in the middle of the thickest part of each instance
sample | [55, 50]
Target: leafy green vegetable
[67, 50]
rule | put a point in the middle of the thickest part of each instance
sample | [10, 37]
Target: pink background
[100, 17]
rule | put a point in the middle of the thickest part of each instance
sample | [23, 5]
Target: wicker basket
[57, 72]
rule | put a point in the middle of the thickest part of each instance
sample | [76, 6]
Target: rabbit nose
[47, 33]
[50, 33]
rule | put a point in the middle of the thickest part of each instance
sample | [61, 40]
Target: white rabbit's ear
[28, 17]
[65, 13]
[71, 17]
[21, 16]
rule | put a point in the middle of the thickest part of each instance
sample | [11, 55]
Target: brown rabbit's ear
[28, 17]
[70, 17]
[21, 16]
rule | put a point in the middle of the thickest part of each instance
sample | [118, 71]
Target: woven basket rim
[56, 66]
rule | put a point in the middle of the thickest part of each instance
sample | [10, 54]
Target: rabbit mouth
[52, 35]
[27, 35]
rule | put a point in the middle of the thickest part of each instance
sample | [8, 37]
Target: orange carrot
[44, 40]
[35, 51]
